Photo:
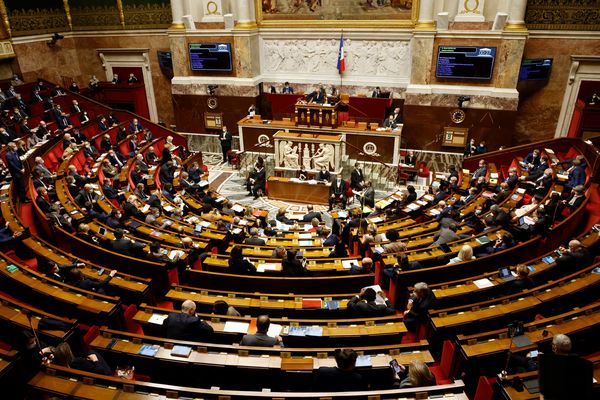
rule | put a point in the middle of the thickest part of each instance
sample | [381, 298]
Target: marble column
[425, 15]
[245, 14]
[516, 15]
[177, 11]
[422, 57]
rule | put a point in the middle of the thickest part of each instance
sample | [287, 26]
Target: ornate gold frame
[356, 23]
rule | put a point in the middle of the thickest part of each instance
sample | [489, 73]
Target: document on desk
[304, 236]
[149, 350]
[157, 319]
[483, 283]
[347, 264]
[205, 224]
[266, 267]
[377, 289]
[236, 327]
[238, 208]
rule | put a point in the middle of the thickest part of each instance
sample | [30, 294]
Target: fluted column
[245, 14]
[177, 12]
[425, 15]
[516, 15]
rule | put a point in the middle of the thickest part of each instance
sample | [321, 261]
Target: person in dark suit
[226, 139]
[238, 264]
[365, 304]
[310, 214]
[377, 92]
[166, 173]
[576, 175]
[291, 265]
[356, 178]
[576, 197]
[522, 282]
[418, 306]
[287, 89]
[103, 124]
[324, 175]
[389, 123]
[42, 200]
[186, 325]
[576, 256]
[75, 277]
[397, 115]
[125, 246]
[341, 378]
[135, 126]
[6, 136]
[337, 192]
[259, 181]
[260, 338]
[410, 158]
[254, 239]
[531, 160]
[481, 171]
[368, 195]
[151, 157]
[17, 170]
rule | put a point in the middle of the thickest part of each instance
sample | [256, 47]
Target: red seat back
[485, 391]
[130, 323]
[447, 360]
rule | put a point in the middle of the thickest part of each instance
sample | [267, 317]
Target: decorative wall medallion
[263, 141]
[370, 148]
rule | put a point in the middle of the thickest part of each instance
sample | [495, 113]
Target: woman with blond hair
[418, 375]
[92, 362]
[465, 254]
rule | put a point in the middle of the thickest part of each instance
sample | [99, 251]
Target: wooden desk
[314, 114]
[301, 192]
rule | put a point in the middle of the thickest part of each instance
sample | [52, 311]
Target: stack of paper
[483, 283]
[157, 319]
[266, 267]
[236, 327]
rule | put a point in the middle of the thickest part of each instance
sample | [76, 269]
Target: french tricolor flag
[341, 59]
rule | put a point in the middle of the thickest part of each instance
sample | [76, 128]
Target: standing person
[226, 139]
[17, 170]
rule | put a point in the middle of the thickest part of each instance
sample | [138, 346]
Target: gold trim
[473, 10]
[246, 25]
[425, 26]
[356, 23]
[177, 26]
[519, 26]
[5, 20]
[68, 12]
[121, 13]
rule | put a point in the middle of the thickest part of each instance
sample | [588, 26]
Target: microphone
[46, 358]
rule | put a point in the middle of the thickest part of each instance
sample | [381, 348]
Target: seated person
[402, 264]
[341, 378]
[260, 338]
[572, 203]
[417, 308]
[254, 239]
[365, 304]
[465, 254]
[311, 214]
[522, 281]
[291, 265]
[416, 375]
[365, 267]
[575, 257]
[531, 160]
[220, 307]
[75, 278]
[186, 325]
[92, 361]
[281, 217]
[238, 264]
[337, 192]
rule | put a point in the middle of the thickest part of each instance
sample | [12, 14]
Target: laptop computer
[505, 274]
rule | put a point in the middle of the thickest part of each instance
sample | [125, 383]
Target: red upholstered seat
[443, 370]
[130, 323]
[91, 334]
[485, 390]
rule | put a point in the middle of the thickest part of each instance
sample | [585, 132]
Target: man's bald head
[188, 307]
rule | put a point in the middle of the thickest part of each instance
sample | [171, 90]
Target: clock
[212, 103]
[457, 115]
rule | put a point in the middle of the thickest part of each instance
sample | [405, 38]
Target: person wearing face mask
[114, 219]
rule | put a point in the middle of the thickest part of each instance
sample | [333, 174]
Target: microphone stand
[45, 358]
[504, 372]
